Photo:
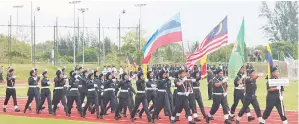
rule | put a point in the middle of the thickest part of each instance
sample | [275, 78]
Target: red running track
[273, 119]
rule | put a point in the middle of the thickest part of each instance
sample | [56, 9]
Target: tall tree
[282, 22]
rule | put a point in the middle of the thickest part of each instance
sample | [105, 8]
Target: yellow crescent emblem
[220, 28]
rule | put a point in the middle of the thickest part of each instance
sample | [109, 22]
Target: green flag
[236, 60]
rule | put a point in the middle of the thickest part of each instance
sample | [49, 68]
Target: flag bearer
[10, 90]
[250, 96]
[33, 90]
[239, 83]
[219, 96]
[45, 93]
[197, 93]
[274, 98]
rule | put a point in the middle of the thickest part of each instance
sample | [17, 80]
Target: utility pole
[74, 43]
[99, 41]
[123, 12]
[83, 10]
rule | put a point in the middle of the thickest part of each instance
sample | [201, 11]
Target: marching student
[109, 93]
[250, 96]
[73, 93]
[239, 93]
[10, 90]
[33, 90]
[168, 90]
[219, 96]
[183, 90]
[151, 92]
[38, 89]
[82, 87]
[58, 93]
[123, 96]
[98, 79]
[162, 96]
[210, 76]
[274, 98]
[92, 96]
[140, 98]
[45, 93]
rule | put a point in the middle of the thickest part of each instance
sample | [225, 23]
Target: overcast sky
[198, 17]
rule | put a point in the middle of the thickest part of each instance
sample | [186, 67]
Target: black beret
[45, 72]
[218, 71]
[58, 72]
[11, 70]
[139, 74]
[274, 69]
[251, 71]
[180, 71]
[89, 75]
[80, 68]
[107, 75]
[31, 72]
[85, 71]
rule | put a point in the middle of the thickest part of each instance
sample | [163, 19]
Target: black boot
[231, 118]
[29, 108]
[208, 119]
[250, 118]
[191, 122]
[197, 119]
[42, 108]
[4, 109]
[98, 116]
[17, 110]
[177, 118]
[237, 122]
[38, 111]
[132, 119]
[172, 122]
[227, 121]
[116, 118]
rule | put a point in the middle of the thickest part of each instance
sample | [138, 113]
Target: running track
[273, 119]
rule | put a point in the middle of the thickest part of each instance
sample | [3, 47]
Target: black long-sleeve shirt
[11, 80]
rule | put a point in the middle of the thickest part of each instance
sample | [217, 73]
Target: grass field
[7, 119]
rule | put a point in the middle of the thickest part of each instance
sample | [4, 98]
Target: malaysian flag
[217, 38]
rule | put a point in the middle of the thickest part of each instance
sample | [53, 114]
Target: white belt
[140, 91]
[73, 89]
[161, 90]
[45, 87]
[181, 93]
[218, 93]
[196, 87]
[108, 89]
[239, 88]
[150, 88]
[10, 87]
[123, 91]
[91, 89]
[32, 86]
[175, 88]
[79, 85]
[58, 88]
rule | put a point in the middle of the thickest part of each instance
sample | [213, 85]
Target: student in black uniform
[92, 96]
[220, 96]
[73, 93]
[250, 96]
[151, 91]
[274, 99]
[10, 90]
[197, 94]
[168, 90]
[45, 93]
[239, 93]
[38, 89]
[109, 93]
[33, 91]
[82, 86]
[162, 96]
[58, 93]
[210, 76]
[183, 91]
[140, 97]
[99, 88]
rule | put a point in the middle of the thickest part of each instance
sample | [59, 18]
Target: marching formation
[112, 89]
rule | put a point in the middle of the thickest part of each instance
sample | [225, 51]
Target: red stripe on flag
[147, 59]
[204, 69]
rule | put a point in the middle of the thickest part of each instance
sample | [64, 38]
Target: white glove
[260, 74]
[193, 80]
[114, 80]
[281, 97]
[14, 76]
[102, 87]
[146, 80]
[153, 85]
[64, 76]
[187, 94]
[130, 79]
[171, 78]
[102, 93]
[278, 87]
[48, 82]
[225, 80]
[77, 80]
[224, 94]
[240, 85]
[35, 78]
[95, 85]
[244, 76]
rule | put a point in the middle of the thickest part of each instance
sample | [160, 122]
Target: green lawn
[7, 119]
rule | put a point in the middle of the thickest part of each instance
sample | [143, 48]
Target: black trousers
[162, 101]
[11, 92]
[123, 102]
[110, 98]
[90, 101]
[272, 101]
[217, 100]
[210, 90]
[170, 98]
[174, 96]
[238, 96]
[71, 100]
[57, 97]
[250, 99]
[198, 98]
[150, 97]
[82, 96]
[181, 102]
[45, 94]
[32, 96]
[130, 105]
[192, 103]
[144, 102]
